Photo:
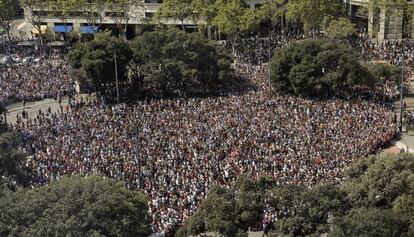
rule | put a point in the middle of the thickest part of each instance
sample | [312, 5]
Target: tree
[204, 13]
[63, 9]
[170, 60]
[369, 222]
[9, 10]
[273, 11]
[228, 19]
[379, 181]
[122, 11]
[13, 172]
[340, 29]
[377, 9]
[312, 13]
[250, 20]
[233, 19]
[93, 12]
[95, 60]
[205, 10]
[181, 10]
[37, 12]
[376, 200]
[380, 189]
[228, 211]
[76, 206]
[317, 68]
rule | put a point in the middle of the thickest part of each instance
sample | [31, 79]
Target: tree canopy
[317, 68]
[13, 172]
[376, 200]
[340, 29]
[76, 206]
[228, 211]
[95, 60]
[166, 61]
[9, 10]
[313, 13]
[181, 10]
[169, 60]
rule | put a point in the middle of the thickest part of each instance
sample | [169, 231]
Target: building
[77, 22]
[387, 27]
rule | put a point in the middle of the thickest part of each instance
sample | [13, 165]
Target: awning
[63, 29]
[56, 44]
[27, 43]
[43, 29]
[89, 29]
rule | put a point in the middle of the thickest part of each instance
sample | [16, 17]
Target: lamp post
[270, 56]
[138, 159]
[116, 74]
[401, 88]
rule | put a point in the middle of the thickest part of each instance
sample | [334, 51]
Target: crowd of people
[174, 150]
[48, 77]
[256, 50]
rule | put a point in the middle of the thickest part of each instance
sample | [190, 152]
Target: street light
[401, 88]
[270, 56]
[116, 74]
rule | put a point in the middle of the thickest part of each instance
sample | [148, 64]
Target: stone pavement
[33, 107]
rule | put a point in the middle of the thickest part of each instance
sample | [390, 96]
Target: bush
[317, 68]
[77, 206]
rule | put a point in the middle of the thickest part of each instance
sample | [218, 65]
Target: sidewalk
[32, 108]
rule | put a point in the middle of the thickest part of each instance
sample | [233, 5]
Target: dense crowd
[389, 51]
[47, 77]
[174, 150]
[256, 50]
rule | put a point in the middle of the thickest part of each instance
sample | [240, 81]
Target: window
[149, 14]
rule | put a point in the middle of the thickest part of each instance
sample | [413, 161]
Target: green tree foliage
[122, 11]
[369, 222]
[381, 191]
[205, 10]
[377, 199]
[76, 206]
[272, 10]
[383, 180]
[181, 10]
[228, 211]
[317, 68]
[170, 60]
[37, 13]
[95, 60]
[13, 172]
[313, 13]
[384, 72]
[92, 11]
[340, 29]
[307, 211]
[233, 18]
[9, 10]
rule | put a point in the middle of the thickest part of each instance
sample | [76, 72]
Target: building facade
[381, 26]
[138, 15]
[389, 27]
